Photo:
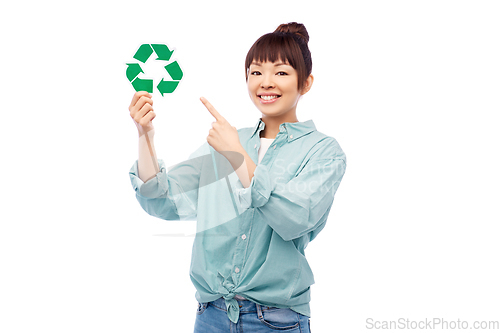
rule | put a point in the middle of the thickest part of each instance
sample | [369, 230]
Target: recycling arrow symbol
[163, 53]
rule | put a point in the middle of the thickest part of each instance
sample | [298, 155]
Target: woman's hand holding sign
[141, 111]
[224, 139]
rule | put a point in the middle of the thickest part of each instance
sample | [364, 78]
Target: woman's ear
[308, 84]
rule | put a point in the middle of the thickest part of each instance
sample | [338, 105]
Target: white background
[410, 89]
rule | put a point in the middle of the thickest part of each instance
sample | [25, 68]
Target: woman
[259, 194]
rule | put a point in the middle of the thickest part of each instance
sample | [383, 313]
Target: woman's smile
[268, 98]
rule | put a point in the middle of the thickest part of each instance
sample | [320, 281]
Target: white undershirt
[265, 143]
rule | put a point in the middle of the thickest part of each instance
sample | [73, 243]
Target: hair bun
[295, 28]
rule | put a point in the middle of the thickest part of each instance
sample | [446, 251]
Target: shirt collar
[293, 130]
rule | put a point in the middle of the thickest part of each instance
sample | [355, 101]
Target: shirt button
[237, 270]
[255, 146]
[244, 237]
[274, 147]
[291, 136]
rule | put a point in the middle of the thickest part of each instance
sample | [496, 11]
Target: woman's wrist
[150, 131]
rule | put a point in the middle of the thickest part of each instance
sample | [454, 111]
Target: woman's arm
[168, 195]
[147, 162]
[141, 111]
[301, 204]
[244, 171]
[224, 138]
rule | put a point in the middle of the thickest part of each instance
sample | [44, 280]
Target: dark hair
[287, 43]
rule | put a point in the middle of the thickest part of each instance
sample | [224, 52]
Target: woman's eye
[281, 73]
[255, 73]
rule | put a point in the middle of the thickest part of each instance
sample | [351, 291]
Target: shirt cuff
[155, 187]
[259, 191]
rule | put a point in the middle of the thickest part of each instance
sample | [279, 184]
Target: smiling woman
[278, 72]
[273, 89]
[248, 263]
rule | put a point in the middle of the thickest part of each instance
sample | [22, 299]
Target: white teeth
[268, 98]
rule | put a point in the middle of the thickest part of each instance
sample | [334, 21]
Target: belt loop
[259, 311]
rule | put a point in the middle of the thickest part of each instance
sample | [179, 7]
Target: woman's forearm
[244, 170]
[147, 162]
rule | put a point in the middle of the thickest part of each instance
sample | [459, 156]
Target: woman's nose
[267, 82]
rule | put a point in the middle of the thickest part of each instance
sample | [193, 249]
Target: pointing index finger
[211, 109]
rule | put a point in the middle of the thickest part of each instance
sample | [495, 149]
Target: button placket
[240, 250]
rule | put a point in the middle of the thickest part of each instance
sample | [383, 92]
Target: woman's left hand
[222, 136]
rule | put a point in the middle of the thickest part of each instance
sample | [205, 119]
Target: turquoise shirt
[251, 241]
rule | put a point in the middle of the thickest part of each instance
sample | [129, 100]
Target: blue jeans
[212, 318]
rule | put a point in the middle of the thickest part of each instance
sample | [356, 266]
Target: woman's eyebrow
[275, 65]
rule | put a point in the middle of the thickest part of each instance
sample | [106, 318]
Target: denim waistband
[244, 305]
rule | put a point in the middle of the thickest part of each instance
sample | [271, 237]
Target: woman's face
[273, 88]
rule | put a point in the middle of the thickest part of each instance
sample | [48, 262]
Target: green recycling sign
[168, 84]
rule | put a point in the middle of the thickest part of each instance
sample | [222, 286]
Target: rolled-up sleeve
[153, 188]
[172, 194]
[153, 195]
[301, 205]
[257, 194]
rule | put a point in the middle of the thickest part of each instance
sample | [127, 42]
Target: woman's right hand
[141, 111]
